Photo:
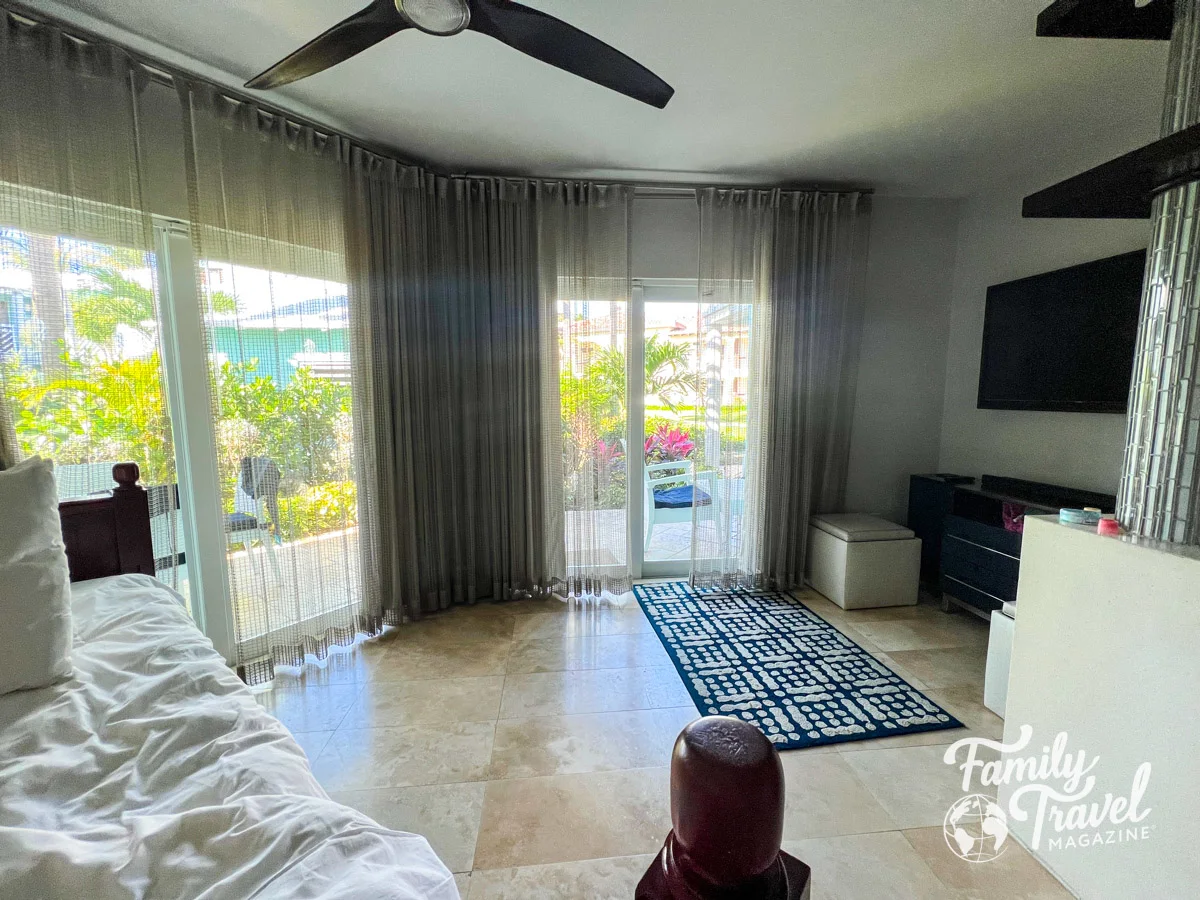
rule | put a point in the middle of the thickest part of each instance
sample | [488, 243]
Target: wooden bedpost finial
[126, 474]
[727, 817]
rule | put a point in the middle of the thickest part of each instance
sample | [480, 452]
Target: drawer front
[989, 570]
[985, 535]
[929, 502]
[960, 590]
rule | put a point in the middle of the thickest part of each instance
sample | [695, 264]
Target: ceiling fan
[532, 32]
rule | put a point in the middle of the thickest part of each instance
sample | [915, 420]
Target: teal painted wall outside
[273, 349]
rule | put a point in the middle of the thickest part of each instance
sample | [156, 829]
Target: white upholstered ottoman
[861, 561]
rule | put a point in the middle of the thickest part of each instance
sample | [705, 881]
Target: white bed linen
[153, 773]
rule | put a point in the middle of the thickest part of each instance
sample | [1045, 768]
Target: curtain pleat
[788, 266]
[10, 451]
[737, 229]
[449, 352]
[267, 210]
[584, 235]
[820, 250]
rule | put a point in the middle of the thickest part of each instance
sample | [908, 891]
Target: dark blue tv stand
[967, 555]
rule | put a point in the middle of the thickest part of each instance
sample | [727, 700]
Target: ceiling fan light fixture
[520, 27]
[440, 17]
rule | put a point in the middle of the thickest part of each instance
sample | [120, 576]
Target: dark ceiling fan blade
[348, 37]
[555, 42]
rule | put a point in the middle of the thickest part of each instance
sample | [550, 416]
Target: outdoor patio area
[601, 533]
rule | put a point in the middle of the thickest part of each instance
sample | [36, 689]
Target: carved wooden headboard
[109, 535]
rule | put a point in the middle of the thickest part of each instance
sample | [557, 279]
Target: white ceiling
[916, 97]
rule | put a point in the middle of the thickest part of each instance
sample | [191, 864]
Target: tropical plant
[594, 403]
[668, 445]
[223, 302]
[102, 411]
[667, 376]
[331, 506]
[85, 403]
[111, 299]
[303, 426]
[654, 423]
[608, 454]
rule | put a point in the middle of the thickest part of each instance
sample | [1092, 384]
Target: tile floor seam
[427, 725]
[361, 690]
[850, 748]
[841, 834]
[917, 850]
[597, 712]
[667, 766]
[668, 667]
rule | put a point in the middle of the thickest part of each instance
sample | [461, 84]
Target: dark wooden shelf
[1107, 19]
[1125, 187]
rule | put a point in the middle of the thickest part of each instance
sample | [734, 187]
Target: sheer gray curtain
[734, 326]
[81, 378]
[266, 206]
[8, 434]
[792, 263]
[57, 180]
[586, 288]
[449, 330]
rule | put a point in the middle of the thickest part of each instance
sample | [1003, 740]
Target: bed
[154, 773]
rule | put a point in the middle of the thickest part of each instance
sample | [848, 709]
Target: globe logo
[975, 828]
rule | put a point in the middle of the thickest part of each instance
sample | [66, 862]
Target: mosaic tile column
[1160, 485]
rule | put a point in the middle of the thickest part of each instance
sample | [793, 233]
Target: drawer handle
[961, 540]
[972, 587]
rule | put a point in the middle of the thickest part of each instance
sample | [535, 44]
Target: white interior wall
[665, 237]
[1081, 450]
[902, 367]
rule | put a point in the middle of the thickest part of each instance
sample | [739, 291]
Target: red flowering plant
[668, 444]
[608, 453]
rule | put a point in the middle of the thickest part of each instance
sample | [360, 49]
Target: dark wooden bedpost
[727, 817]
[131, 515]
[109, 535]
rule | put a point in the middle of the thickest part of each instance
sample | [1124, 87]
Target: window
[81, 351]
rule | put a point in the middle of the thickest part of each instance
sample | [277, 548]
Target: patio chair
[666, 505]
[255, 497]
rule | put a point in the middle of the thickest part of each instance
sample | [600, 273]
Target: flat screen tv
[1063, 341]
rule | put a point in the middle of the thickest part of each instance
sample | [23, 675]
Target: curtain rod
[168, 74]
[671, 190]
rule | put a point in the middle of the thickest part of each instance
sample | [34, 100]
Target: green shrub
[95, 412]
[331, 506]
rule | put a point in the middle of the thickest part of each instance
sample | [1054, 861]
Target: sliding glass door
[278, 353]
[104, 351]
[594, 400]
[690, 418]
[669, 400]
[81, 348]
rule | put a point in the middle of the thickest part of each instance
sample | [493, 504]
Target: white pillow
[35, 588]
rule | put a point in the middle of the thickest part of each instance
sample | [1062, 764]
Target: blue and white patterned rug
[764, 657]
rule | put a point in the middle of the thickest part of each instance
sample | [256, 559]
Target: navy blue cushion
[680, 498]
[240, 522]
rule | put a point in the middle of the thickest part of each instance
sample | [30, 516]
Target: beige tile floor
[529, 743]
